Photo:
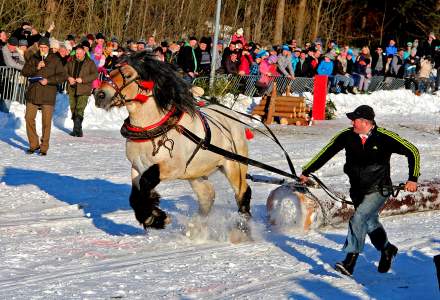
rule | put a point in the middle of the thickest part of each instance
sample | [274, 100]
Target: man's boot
[386, 258]
[346, 266]
[79, 126]
[75, 126]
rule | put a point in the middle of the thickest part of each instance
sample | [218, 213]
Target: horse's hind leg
[236, 175]
[145, 201]
[205, 194]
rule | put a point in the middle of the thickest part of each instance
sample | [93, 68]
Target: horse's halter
[118, 98]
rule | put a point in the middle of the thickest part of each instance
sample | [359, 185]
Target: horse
[161, 108]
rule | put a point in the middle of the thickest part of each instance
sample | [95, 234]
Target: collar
[145, 134]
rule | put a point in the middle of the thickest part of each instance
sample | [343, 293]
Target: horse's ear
[129, 72]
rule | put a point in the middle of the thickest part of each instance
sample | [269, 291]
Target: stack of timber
[288, 109]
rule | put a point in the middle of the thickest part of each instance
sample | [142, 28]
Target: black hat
[164, 44]
[44, 41]
[192, 38]
[99, 35]
[362, 112]
[13, 41]
[85, 43]
[70, 37]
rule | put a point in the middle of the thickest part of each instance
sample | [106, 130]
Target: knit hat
[54, 44]
[23, 43]
[13, 41]
[99, 35]
[285, 48]
[262, 53]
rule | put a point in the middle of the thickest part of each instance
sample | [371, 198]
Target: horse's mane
[169, 88]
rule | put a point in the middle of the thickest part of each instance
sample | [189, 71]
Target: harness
[118, 98]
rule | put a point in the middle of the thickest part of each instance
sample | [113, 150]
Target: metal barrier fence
[247, 85]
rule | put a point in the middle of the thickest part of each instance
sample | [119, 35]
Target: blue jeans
[364, 220]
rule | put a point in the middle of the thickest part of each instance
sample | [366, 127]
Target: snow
[67, 230]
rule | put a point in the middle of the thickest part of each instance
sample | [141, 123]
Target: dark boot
[437, 266]
[75, 126]
[351, 90]
[80, 130]
[346, 266]
[386, 258]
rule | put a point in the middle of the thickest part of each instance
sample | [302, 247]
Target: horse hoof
[197, 229]
[157, 220]
[237, 236]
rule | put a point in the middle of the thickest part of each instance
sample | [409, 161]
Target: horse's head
[140, 77]
[121, 86]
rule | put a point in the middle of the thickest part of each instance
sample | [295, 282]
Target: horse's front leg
[145, 200]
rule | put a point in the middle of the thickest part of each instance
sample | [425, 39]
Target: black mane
[169, 88]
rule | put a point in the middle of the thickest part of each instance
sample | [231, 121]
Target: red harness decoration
[144, 85]
[149, 128]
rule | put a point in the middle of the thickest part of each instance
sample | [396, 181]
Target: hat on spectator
[114, 40]
[409, 44]
[262, 53]
[23, 43]
[240, 31]
[350, 52]
[286, 48]
[164, 44]
[297, 50]
[330, 55]
[70, 37]
[85, 43]
[44, 41]
[192, 38]
[362, 112]
[141, 41]
[13, 41]
[205, 40]
[99, 35]
[54, 44]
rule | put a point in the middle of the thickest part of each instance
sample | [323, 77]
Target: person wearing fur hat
[44, 71]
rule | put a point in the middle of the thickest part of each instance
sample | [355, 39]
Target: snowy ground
[67, 231]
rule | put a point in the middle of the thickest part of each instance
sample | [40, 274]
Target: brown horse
[160, 107]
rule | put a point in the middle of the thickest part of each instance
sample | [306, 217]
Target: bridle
[119, 98]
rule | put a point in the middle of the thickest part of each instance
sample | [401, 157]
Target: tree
[279, 18]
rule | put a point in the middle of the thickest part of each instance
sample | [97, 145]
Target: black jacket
[367, 166]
